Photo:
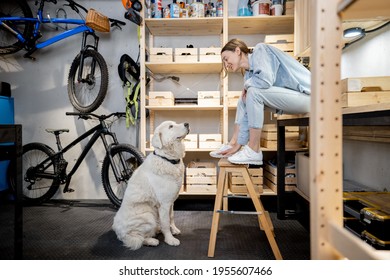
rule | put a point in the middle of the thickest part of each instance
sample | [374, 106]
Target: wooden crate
[289, 8]
[270, 178]
[237, 183]
[161, 55]
[161, 98]
[210, 55]
[284, 42]
[365, 84]
[191, 141]
[209, 98]
[233, 97]
[210, 141]
[352, 99]
[201, 177]
[186, 55]
[289, 144]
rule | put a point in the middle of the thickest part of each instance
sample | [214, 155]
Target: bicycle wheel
[15, 8]
[87, 94]
[36, 190]
[126, 159]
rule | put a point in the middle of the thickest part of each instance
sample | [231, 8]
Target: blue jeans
[250, 113]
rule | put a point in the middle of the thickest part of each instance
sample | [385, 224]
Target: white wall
[39, 89]
[368, 163]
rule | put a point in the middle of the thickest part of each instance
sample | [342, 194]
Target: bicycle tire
[133, 158]
[8, 42]
[87, 97]
[35, 190]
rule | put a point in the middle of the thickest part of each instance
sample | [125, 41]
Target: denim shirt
[269, 66]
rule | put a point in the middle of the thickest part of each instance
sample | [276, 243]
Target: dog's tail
[133, 241]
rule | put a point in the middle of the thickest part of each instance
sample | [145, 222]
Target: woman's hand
[243, 95]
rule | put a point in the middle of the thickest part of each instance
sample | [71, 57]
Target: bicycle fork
[84, 47]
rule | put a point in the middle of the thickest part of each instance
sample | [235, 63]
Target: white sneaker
[217, 153]
[247, 156]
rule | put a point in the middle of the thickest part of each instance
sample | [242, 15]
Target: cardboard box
[210, 55]
[161, 98]
[186, 55]
[161, 55]
[209, 98]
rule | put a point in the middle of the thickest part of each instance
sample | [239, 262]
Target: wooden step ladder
[220, 206]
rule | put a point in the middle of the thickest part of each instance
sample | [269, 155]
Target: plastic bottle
[197, 9]
[175, 10]
[159, 9]
[220, 8]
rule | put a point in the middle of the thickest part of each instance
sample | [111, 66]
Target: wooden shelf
[364, 9]
[184, 68]
[184, 26]
[261, 25]
[185, 107]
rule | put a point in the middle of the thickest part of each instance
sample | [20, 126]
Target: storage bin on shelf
[365, 91]
[210, 141]
[237, 184]
[186, 55]
[269, 137]
[201, 177]
[284, 42]
[161, 55]
[209, 98]
[161, 98]
[191, 141]
[233, 97]
[270, 177]
[210, 55]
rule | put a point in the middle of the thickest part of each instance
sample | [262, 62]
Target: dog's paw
[175, 230]
[151, 242]
[172, 241]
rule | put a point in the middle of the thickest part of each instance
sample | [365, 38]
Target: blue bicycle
[88, 74]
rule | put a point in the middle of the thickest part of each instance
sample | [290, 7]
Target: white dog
[147, 205]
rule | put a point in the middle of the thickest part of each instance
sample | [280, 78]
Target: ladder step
[237, 196]
[239, 212]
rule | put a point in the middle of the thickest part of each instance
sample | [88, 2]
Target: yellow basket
[97, 21]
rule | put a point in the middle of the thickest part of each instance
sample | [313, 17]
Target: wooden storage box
[233, 97]
[186, 55]
[210, 55]
[237, 183]
[161, 55]
[352, 99]
[365, 84]
[201, 177]
[209, 98]
[270, 178]
[191, 141]
[284, 42]
[161, 98]
[210, 141]
[269, 137]
[289, 8]
[97, 21]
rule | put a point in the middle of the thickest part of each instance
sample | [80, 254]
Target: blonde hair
[231, 47]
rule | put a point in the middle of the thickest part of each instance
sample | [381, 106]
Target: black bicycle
[44, 169]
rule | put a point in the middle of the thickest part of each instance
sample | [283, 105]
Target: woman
[272, 79]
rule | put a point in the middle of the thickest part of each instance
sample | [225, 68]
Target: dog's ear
[156, 141]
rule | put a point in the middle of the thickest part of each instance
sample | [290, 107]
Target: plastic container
[175, 10]
[261, 8]
[243, 9]
[6, 117]
[197, 9]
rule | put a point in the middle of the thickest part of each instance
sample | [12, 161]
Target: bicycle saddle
[57, 131]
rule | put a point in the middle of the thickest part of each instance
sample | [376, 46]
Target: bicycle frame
[98, 131]
[31, 43]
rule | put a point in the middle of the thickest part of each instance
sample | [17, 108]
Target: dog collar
[173, 161]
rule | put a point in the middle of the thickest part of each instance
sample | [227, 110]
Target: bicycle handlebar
[87, 116]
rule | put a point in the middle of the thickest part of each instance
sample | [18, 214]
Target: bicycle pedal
[70, 190]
